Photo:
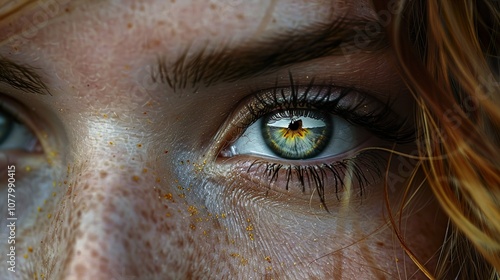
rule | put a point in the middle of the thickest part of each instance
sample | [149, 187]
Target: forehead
[86, 47]
[171, 21]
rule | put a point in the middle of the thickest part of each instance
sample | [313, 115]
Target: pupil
[295, 125]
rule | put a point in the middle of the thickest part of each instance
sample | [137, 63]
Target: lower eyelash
[364, 169]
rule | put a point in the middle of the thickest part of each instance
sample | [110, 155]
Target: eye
[299, 134]
[305, 139]
[14, 135]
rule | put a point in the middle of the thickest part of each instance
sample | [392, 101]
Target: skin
[129, 184]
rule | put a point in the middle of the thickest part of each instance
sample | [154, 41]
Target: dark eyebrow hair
[228, 64]
[22, 77]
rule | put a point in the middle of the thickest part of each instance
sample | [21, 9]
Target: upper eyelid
[387, 120]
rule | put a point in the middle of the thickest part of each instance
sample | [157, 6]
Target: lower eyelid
[301, 181]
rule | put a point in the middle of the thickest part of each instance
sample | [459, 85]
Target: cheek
[106, 216]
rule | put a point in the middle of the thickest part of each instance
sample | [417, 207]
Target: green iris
[297, 134]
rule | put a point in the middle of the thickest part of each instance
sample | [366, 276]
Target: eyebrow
[22, 77]
[228, 64]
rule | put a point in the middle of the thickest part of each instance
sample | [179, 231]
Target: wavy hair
[448, 54]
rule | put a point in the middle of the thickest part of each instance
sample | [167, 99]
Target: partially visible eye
[14, 135]
[298, 134]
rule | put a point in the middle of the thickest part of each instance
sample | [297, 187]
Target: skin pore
[130, 183]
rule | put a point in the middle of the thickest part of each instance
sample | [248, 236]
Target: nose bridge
[109, 211]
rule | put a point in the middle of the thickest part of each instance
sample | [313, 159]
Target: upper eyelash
[381, 121]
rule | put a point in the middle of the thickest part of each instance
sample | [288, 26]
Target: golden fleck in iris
[192, 226]
[135, 178]
[28, 168]
[30, 249]
[268, 259]
[294, 130]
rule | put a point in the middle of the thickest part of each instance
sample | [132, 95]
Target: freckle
[25, 256]
[129, 25]
[166, 152]
[145, 170]
[100, 197]
[213, 6]
[268, 259]
[30, 249]
[145, 113]
[135, 178]
[54, 194]
[240, 16]
[192, 226]
[381, 244]
[103, 174]
[158, 180]
[80, 270]
[39, 209]
[49, 216]
[111, 143]
[139, 145]
[65, 182]
[105, 116]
